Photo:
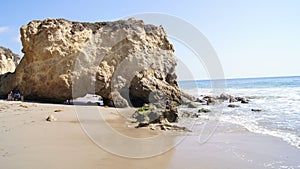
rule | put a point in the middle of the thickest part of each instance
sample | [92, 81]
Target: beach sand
[28, 141]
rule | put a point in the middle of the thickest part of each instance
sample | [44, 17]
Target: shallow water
[278, 97]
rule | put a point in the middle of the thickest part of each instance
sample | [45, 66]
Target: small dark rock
[154, 117]
[239, 99]
[256, 110]
[232, 99]
[190, 115]
[139, 116]
[242, 100]
[203, 110]
[224, 96]
[195, 115]
[142, 125]
[200, 100]
[208, 97]
[186, 114]
[171, 113]
[212, 101]
[245, 101]
[192, 105]
[233, 105]
[51, 118]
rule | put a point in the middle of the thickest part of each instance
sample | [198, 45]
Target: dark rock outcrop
[212, 100]
[151, 114]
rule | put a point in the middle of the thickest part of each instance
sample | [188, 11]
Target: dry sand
[27, 141]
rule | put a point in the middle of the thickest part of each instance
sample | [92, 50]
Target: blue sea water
[278, 97]
[247, 83]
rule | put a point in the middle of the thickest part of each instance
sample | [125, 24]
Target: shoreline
[27, 140]
[267, 133]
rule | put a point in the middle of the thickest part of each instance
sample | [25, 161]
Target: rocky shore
[154, 116]
[126, 62]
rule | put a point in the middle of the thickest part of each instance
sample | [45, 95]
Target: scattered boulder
[224, 96]
[192, 105]
[166, 126]
[209, 97]
[186, 114]
[228, 97]
[24, 106]
[142, 124]
[138, 116]
[203, 110]
[195, 115]
[232, 99]
[233, 105]
[242, 100]
[150, 114]
[211, 101]
[154, 117]
[147, 114]
[256, 110]
[171, 113]
[189, 115]
[51, 118]
[245, 101]
[200, 100]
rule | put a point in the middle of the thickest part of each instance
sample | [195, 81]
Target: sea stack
[127, 62]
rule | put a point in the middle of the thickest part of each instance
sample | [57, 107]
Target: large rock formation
[8, 60]
[127, 62]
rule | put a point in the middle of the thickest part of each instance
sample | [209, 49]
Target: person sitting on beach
[10, 96]
[17, 95]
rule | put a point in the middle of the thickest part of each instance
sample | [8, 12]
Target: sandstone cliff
[8, 60]
[127, 62]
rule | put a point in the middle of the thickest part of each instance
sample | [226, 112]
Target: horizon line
[235, 78]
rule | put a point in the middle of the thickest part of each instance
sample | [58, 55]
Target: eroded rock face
[8, 63]
[127, 62]
[8, 60]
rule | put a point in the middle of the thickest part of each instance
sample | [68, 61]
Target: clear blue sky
[253, 38]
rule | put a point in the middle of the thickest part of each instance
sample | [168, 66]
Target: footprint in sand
[3, 153]
[7, 130]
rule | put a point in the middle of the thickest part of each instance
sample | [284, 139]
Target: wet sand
[27, 140]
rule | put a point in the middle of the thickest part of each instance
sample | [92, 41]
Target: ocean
[277, 97]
